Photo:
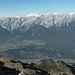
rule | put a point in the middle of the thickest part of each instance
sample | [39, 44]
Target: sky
[24, 7]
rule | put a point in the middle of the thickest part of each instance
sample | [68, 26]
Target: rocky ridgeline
[10, 66]
[24, 23]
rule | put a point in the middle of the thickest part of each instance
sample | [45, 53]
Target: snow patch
[33, 15]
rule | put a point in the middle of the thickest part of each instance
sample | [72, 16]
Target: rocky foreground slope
[10, 66]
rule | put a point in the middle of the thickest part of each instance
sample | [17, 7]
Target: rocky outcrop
[9, 66]
[58, 67]
[7, 71]
[22, 73]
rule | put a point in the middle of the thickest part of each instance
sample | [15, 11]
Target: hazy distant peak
[55, 13]
[33, 15]
[71, 13]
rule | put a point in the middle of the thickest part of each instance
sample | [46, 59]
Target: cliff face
[10, 66]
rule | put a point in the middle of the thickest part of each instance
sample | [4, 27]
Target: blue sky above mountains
[24, 7]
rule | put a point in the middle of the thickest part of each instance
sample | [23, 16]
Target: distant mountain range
[24, 23]
[38, 36]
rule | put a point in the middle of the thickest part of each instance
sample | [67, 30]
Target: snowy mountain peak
[55, 13]
[24, 23]
[33, 15]
[71, 14]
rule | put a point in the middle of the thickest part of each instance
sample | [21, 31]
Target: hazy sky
[23, 7]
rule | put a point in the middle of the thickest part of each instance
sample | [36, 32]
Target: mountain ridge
[12, 23]
[38, 37]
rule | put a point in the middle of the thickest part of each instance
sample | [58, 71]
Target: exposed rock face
[22, 73]
[7, 71]
[44, 67]
[58, 67]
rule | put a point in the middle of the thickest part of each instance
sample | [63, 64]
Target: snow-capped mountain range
[38, 35]
[13, 23]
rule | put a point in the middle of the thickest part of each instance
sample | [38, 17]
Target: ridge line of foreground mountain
[9, 66]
